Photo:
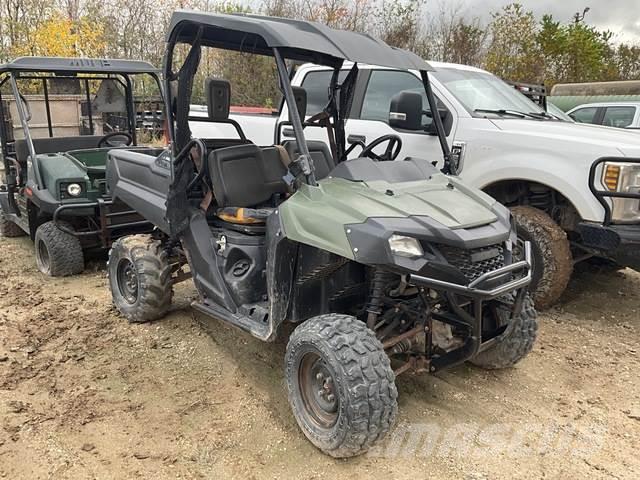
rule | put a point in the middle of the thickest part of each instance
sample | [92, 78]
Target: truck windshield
[482, 93]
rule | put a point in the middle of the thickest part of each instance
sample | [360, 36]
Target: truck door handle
[351, 139]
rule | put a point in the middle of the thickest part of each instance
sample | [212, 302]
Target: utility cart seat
[56, 144]
[246, 176]
[320, 154]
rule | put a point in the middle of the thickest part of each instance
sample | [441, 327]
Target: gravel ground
[83, 394]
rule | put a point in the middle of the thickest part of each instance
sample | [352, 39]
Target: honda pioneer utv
[383, 267]
[58, 118]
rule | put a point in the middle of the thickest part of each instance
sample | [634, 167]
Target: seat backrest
[56, 144]
[274, 169]
[320, 154]
[239, 177]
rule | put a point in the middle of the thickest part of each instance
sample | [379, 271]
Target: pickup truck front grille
[475, 262]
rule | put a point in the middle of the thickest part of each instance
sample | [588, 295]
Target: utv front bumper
[502, 282]
[515, 276]
[106, 220]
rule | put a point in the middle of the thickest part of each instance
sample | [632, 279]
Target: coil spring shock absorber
[374, 307]
[541, 198]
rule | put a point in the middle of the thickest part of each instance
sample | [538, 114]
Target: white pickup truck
[574, 189]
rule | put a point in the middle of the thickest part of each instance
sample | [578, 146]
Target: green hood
[317, 215]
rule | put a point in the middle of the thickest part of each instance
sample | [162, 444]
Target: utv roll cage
[43, 69]
[283, 39]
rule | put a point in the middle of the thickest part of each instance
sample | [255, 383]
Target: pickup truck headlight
[624, 178]
[405, 246]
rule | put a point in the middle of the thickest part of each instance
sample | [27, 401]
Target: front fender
[571, 182]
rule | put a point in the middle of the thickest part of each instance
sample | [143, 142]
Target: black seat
[320, 154]
[242, 176]
[56, 144]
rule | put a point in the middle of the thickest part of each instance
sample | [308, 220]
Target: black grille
[475, 262]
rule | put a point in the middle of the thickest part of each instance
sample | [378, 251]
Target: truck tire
[8, 228]
[58, 254]
[551, 252]
[515, 344]
[340, 383]
[140, 278]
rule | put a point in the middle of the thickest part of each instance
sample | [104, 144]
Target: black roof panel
[85, 65]
[301, 40]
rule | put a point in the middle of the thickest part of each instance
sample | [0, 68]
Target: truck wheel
[551, 252]
[140, 278]
[8, 228]
[58, 254]
[341, 387]
[515, 343]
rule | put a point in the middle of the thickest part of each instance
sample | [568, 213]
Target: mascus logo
[88, 62]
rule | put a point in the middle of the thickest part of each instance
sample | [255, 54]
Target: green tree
[467, 43]
[575, 52]
[399, 23]
[513, 52]
[627, 61]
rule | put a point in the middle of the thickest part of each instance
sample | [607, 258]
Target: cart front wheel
[58, 253]
[340, 383]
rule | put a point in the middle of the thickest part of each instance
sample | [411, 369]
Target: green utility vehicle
[382, 267]
[58, 119]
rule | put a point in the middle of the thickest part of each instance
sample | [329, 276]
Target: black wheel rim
[43, 257]
[127, 278]
[319, 394]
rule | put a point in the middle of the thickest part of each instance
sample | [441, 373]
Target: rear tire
[341, 386]
[140, 278]
[8, 228]
[552, 259]
[515, 344]
[58, 253]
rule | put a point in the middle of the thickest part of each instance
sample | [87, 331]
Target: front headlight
[624, 178]
[405, 246]
[74, 189]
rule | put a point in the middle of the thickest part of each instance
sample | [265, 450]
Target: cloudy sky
[619, 16]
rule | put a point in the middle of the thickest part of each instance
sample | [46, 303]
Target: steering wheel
[391, 152]
[115, 139]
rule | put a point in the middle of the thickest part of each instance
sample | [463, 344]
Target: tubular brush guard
[478, 292]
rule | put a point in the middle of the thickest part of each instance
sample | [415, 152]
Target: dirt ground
[83, 394]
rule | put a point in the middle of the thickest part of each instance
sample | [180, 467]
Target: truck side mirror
[447, 122]
[300, 97]
[405, 111]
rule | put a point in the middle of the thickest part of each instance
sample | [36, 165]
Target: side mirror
[300, 97]
[405, 111]
[447, 122]
[218, 98]
[289, 133]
